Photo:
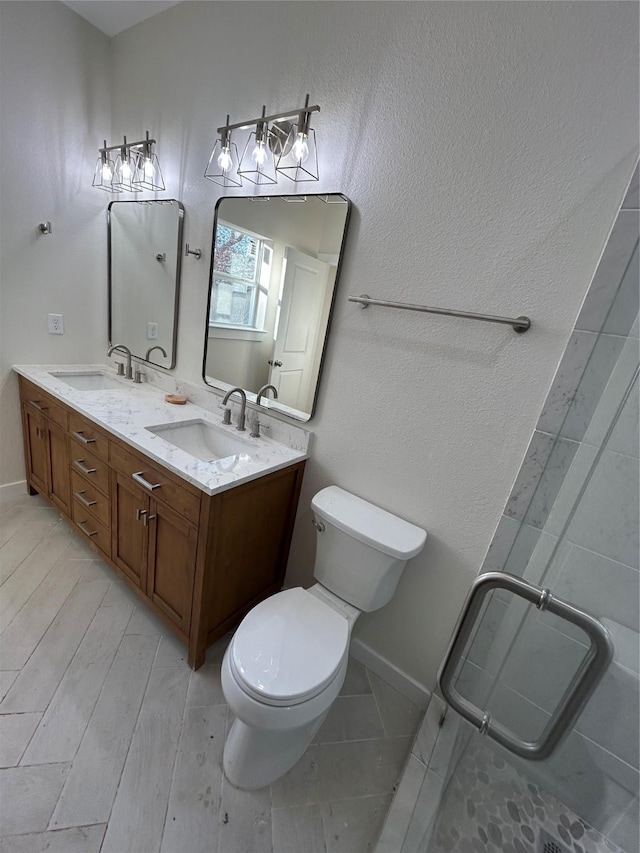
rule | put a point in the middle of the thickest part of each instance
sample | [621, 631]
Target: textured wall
[55, 95]
[485, 147]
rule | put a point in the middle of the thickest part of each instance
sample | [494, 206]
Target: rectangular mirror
[274, 272]
[145, 249]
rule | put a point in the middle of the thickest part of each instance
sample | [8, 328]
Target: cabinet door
[172, 558]
[129, 506]
[58, 466]
[35, 448]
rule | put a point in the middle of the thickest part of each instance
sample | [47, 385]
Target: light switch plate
[152, 331]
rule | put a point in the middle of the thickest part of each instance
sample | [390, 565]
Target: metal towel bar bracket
[518, 324]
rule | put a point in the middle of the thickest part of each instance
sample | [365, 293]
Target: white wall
[485, 147]
[55, 94]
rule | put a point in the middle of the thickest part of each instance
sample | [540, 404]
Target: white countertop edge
[145, 406]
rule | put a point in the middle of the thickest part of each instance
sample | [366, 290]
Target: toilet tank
[362, 549]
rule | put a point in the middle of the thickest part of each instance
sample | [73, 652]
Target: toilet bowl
[287, 661]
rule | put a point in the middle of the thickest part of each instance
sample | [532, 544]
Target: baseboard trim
[12, 490]
[389, 672]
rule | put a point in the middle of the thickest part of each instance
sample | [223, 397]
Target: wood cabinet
[46, 446]
[35, 449]
[199, 561]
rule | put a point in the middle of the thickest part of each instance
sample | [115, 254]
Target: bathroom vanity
[201, 541]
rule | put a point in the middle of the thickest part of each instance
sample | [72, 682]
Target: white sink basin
[204, 441]
[92, 380]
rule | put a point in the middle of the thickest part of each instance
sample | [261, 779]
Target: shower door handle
[592, 668]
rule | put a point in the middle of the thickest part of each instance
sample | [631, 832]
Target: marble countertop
[126, 411]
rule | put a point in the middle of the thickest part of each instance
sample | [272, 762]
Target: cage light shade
[251, 167]
[125, 173]
[291, 164]
[103, 174]
[148, 174]
[226, 177]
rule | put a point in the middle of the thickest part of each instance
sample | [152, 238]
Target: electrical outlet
[152, 331]
[56, 324]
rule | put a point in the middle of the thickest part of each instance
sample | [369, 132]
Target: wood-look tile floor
[109, 742]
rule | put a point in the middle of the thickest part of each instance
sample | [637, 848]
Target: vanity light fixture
[299, 157]
[291, 148]
[223, 163]
[103, 173]
[257, 164]
[136, 168]
[149, 174]
[126, 170]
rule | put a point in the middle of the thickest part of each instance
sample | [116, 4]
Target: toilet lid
[289, 647]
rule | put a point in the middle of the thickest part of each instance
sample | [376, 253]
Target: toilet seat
[288, 648]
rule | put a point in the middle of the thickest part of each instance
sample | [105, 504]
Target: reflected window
[241, 275]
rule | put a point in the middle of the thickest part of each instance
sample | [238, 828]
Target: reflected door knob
[274, 363]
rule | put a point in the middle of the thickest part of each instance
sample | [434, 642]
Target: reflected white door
[303, 292]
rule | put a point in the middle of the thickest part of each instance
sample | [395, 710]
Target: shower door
[579, 540]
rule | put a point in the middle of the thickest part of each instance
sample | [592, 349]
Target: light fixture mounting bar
[275, 117]
[128, 145]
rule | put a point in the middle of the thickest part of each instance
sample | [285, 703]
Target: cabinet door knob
[143, 516]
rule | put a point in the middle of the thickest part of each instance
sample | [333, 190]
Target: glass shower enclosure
[573, 529]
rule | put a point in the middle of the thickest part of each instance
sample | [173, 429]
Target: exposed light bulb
[125, 170]
[259, 154]
[300, 148]
[149, 169]
[107, 174]
[224, 159]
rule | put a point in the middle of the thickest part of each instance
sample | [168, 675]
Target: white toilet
[287, 661]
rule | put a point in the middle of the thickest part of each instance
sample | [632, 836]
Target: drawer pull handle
[37, 405]
[78, 434]
[79, 463]
[139, 478]
[82, 499]
[81, 525]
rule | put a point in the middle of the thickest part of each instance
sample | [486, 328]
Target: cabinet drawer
[44, 403]
[157, 482]
[91, 528]
[93, 469]
[89, 435]
[91, 499]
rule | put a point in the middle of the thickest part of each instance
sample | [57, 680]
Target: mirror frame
[176, 303]
[270, 407]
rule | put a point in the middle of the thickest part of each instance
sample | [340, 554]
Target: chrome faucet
[263, 392]
[255, 423]
[151, 349]
[243, 406]
[127, 352]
